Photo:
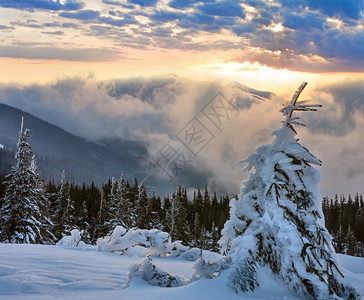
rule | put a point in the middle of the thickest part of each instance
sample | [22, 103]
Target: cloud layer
[155, 110]
[307, 35]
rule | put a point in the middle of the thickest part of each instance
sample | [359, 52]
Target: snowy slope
[53, 272]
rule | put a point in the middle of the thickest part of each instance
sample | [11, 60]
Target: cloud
[343, 104]
[93, 16]
[57, 32]
[6, 28]
[52, 24]
[83, 15]
[32, 5]
[28, 23]
[352, 9]
[151, 110]
[69, 25]
[182, 4]
[313, 36]
[143, 3]
[154, 110]
[304, 21]
[37, 52]
[227, 8]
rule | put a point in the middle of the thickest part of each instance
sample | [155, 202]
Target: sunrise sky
[59, 58]
[265, 43]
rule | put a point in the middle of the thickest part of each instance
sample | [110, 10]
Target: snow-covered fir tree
[115, 206]
[176, 217]
[102, 224]
[64, 215]
[127, 210]
[142, 208]
[23, 215]
[277, 220]
[154, 212]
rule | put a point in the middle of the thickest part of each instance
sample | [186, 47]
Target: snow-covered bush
[155, 241]
[175, 248]
[73, 240]
[277, 222]
[147, 271]
[209, 265]
[193, 254]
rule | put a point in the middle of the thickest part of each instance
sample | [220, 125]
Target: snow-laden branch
[297, 106]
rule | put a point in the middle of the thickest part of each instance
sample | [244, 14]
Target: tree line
[344, 219]
[34, 212]
[196, 220]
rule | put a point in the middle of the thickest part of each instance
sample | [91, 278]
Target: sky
[59, 58]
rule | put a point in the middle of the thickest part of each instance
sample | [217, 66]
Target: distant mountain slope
[56, 149]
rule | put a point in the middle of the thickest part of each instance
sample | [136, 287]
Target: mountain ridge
[56, 149]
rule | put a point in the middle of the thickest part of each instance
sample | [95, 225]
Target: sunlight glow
[275, 27]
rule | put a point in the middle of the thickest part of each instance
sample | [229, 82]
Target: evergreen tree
[23, 214]
[142, 208]
[206, 209]
[154, 212]
[214, 238]
[196, 232]
[339, 240]
[277, 221]
[176, 218]
[115, 206]
[64, 216]
[102, 227]
[126, 209]
[83, 223]
[350, 242]
[165, 214]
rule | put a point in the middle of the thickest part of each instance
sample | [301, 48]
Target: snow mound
[153, 241]
[149, 272]
[73, 240]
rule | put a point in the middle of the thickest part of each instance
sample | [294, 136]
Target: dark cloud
[57, 32]
[69, 25]
[110, 2]
[345, 44]
[6, 28]
[183, 4]
[36, 52]
[83, 15]
[94, 16]
[143, 3]
[337, 8]
[52, 24]
[304, 21]
[227, 8]
[166, 16]
[32, 5]
[28, 23]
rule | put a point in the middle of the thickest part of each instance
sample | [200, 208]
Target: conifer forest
[196, 220]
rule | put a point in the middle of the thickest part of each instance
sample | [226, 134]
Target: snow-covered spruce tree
[277, 221]
[115, 207]
[64, 218]
[43, 198]
[127, 210]
[23, 215]
[142, 208]
[176, 217]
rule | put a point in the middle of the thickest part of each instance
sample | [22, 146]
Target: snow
[54, 272]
